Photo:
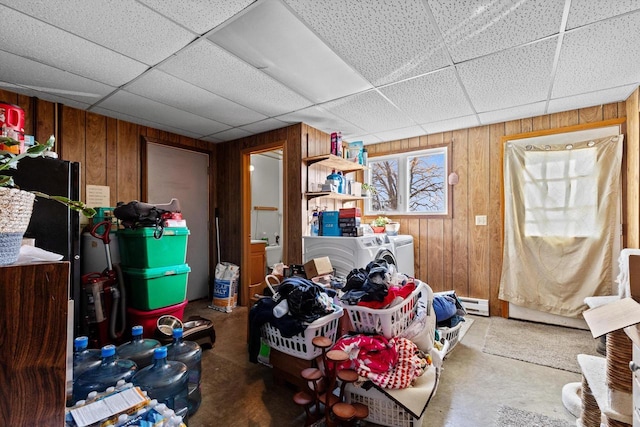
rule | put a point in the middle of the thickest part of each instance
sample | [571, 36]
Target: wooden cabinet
[33, 344]
[257, 270]
[339, 164]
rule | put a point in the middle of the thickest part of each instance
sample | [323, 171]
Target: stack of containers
[349, 220]
[155, 274]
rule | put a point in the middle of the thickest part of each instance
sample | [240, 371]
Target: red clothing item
[394, 292]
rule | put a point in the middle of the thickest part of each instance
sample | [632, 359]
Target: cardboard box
[318, 267]
[613, 316]
[349, 213]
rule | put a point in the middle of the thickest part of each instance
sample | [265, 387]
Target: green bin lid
[149, 231]
[154, 273]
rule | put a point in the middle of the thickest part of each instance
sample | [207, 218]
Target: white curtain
[560, 205]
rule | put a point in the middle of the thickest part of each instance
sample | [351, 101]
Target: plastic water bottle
[84, 358]
[189, 353]
[139, 349]
[166, 381]
[105, 375]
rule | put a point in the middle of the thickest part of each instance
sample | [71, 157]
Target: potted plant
[16, 205]
[379, 223]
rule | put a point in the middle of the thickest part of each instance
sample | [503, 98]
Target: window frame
[403, 182]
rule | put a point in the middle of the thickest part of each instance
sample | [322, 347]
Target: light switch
[481, 220]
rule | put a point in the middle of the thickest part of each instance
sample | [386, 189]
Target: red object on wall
[12, 125]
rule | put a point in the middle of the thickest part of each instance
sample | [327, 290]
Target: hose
[119, 301]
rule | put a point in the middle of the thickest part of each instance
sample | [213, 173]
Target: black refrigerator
[54, 227]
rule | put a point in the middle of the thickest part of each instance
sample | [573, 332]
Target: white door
[184, 175]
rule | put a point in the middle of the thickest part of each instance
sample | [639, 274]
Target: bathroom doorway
[263, 204]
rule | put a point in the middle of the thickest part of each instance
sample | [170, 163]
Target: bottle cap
[108, 350]
[177, 332]
[81, 342]
[136, 330]
[160, 352]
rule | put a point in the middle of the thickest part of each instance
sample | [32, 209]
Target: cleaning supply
[139, 349]
[189, 353]
[167, 381]
[334, 179]
[341, 185]
[105, 375]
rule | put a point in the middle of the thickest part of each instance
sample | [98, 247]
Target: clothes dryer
[347, 253]
[402, 246]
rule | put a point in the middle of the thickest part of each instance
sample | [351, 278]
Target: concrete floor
[472, 387]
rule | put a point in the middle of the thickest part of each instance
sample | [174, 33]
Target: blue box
[330, 225]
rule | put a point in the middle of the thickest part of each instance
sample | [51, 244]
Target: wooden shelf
[332, 195]
[334, 162]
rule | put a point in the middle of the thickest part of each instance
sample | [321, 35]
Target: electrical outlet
[481, 220]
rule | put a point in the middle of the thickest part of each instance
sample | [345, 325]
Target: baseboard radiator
[476, 306]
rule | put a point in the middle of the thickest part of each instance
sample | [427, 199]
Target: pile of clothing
[297, 303]
[376, 286]
[449, 310]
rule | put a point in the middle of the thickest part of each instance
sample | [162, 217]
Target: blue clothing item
[444, 307]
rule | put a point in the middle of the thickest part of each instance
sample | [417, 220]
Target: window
[410, 183]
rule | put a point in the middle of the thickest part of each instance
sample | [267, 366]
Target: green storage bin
[139, 249]
[152, 288]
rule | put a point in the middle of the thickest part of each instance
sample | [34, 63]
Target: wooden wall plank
[495, 221]
[460, 220]
[632, 205]
[128, 152]
[95, 161]
[479, 199]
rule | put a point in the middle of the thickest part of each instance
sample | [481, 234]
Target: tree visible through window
[408, 183]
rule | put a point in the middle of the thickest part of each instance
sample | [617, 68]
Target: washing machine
[402, 247]
[347, 253]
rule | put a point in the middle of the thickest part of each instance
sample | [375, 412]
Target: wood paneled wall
[631, 169]
[455, 253]
[109, 150]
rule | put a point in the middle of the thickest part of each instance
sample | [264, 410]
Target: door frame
[144, 190]
[245, 185]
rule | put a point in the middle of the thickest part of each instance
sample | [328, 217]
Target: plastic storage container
[189, 353]
[140, 249]
[83, 357]
[107, 374]
[389, 322]
[139, 349]
[301, 345]
[166, 381]
[148, 318]
[152, 288]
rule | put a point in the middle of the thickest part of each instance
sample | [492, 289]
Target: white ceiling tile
[452, 124]
[185, 96]
[385, 41]
[142, 122]
[231, 134]
[321, 119]
[585, 12]
[62, 50]
[43, 78]
[477, 27]
[395, 134]
[269, 37]
[433, 97]
[599, 56]
[369, 111]
[199, 16]
[112, 24]
[513, 113]
[600, 97]
[147, 109]
[263, 126]
[212, 68]
[520, 75]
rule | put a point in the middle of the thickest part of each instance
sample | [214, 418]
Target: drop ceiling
[377, 70]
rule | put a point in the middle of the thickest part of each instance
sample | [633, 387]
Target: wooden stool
[333, 357]
[304, 399]
[314, 375]
[343, 412]
[362, 411]
[346, 376]
[323, 343]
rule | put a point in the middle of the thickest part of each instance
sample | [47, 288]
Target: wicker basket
[15, 212]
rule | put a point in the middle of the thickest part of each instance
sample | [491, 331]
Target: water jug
[189, 353]
[105, 375]
[139, 349]
[166, 381]
[84, 358]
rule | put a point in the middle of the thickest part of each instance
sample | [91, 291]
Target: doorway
[184, 174]
[264, 204]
